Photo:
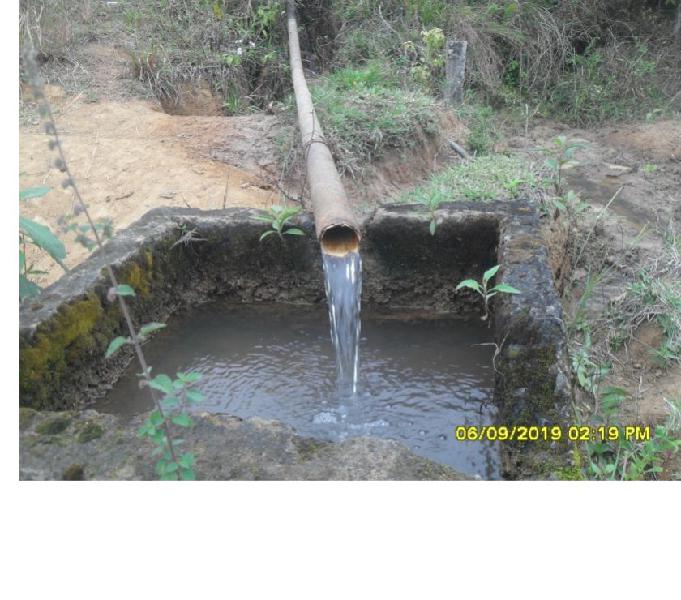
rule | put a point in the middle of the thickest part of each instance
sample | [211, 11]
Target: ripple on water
[418, 378]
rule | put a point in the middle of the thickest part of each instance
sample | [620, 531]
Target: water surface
[418, 379]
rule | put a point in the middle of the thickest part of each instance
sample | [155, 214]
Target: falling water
[343, 277]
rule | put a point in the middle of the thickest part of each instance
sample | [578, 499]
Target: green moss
[308, 448]
[26, 416]
[529, 370]
[139, 277]
[53, 425]
[54, 346]
[73, 473]
[90, 431]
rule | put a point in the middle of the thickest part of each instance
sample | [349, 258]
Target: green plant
[432, 203]
[365, 114]
[480, 120]
[486, 178]
[572, 203]
[428, 69]
[649, 169]
[483, 289]
[278, 218]
[69, 224]
[616, 455]
[40, 236]
[560, 158]
[587, 372]
[177, 393]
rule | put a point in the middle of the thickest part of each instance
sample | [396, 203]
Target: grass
[486, 178]
[365, 113]
[653, 297]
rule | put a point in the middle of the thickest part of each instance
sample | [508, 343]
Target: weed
[481, 126]
[430, 62]
[278, 218]
[587, 372]
[432, 203]
[569, 204]
[616, 455]
[69, 224]
[485, 292]
[560, 158]
[653, 297]
[178, 394]
[40, 236]
[159, 425]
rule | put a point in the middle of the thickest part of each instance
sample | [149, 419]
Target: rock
[226, 447]
[53, 426]
[90, 431]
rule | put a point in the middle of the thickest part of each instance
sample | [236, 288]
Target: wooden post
[455, 68]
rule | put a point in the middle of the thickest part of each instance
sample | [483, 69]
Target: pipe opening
[339, 240]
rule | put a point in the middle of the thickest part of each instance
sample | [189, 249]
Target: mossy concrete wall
[65, 331]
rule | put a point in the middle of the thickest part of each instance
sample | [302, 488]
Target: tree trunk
[336, 227]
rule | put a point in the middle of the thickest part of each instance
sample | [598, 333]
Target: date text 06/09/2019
[551, 433]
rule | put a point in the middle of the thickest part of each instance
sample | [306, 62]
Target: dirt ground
[128, 156]
[641, 165]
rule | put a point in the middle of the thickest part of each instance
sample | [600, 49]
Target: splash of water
[343, 280]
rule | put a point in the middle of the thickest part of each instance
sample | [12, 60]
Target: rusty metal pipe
[335, 223]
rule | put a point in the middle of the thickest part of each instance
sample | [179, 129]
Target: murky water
[343, 282]
[420, 377]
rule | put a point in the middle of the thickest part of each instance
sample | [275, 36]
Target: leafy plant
[570, 204]
[432, 203]
[176, 393]
[40, 236]
[587, 372]
[69, 224]
[629, 458]
[560, 158]
[481, 136]
[427, 71]
[483, 289]
[278, 218]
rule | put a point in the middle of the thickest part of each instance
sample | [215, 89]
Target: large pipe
[336, 226]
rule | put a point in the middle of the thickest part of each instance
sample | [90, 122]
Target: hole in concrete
[406, 269]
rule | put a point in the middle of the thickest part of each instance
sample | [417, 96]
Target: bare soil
[641, 163]
[129, 156]
[129, 153]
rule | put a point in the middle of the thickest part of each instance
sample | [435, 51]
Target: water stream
[343, 281]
